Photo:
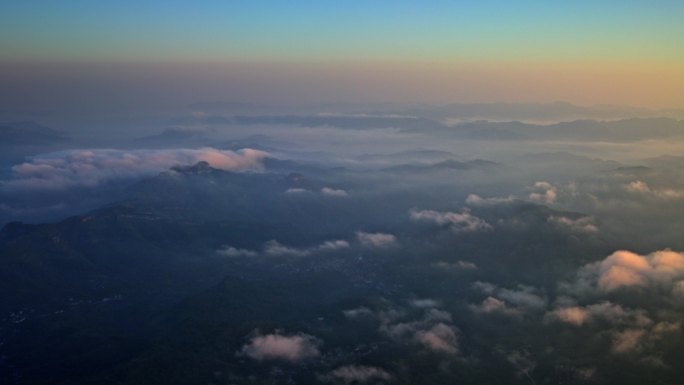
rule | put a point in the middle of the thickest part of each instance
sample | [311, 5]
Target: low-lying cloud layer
[92, 167]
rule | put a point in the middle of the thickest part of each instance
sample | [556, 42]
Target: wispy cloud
[333, 192]
[476, 200]
[296, 191]
[274, 248]
[458, 221]
[582, 225]
[377, 240]
[357, 374]
[458, 265]
[230, 251]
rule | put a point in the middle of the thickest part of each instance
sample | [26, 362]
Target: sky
[587, 52]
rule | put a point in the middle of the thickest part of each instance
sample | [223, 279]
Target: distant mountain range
[537, 111]
[555, 111]
[625, 130]
[111, 289]
[29, 133]
[449, 164]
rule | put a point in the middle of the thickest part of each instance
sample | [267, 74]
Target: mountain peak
[200, 168]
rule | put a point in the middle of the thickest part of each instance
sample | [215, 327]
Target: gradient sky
[629, 46]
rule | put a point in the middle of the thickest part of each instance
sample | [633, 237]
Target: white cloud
[458, 222]
[358, 312]
[638, 186]
[678, 289]
[296, 191]
[524, 296]
[292, 348]
[583, 225]
[333, 192]
[332, 245]
[476, 200]
[642, 188]
[654, 361]
[274, 248]
[378, 240]
[633, 340]
[424, 303]
[485, 287]
[628, 269]
[439, 338]
[434, 330]
[400, 329]
[89, 168]
[605, 311]
[510, 302]
[523, 363]
[574, 315]
[544, 192]
[458, 265]
[491, 305]
[628, 340]
[661, 329]
[356, 374]
[634, 331]
[230, 251]
[437, 315]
